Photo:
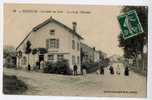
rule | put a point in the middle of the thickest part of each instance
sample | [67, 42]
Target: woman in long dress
[118, 70]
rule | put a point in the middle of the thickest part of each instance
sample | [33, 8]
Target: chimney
[74, 26]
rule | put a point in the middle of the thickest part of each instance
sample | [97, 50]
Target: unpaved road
[87, 85]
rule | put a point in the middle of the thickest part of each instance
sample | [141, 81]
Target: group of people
[39, 65]
[75, 70]
[126, 71]
[101, 70]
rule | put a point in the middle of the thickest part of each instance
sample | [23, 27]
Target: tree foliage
[134, 46]
[28, 50]
[28, 47]
[9, 51]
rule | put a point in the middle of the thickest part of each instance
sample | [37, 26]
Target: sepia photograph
[75, 50]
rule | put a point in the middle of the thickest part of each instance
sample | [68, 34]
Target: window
[73, 44]
[73, 60]
[52, 43]
[50, 57]
[24, 60]
[52, 32]
[60, 57]
[78, 59]
[78, 46]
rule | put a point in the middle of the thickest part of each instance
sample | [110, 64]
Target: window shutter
[57, 43]
[47, 43]
[73, 44]
[78, 60]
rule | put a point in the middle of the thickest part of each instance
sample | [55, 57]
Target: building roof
[47, 22]
[59, 23]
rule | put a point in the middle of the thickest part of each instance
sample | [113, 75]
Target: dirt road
[88, 85]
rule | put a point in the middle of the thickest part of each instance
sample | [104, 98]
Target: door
[41, 58]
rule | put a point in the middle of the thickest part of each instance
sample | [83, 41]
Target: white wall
[38, 40]
[96, 56]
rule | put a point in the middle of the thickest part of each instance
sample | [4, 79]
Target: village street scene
[63, 52]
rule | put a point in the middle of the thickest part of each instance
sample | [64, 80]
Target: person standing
[126, 71]
[111, 70]
[75, 68]
[29, 67]
[98, 69]
[101, 70]
[42, 64]
[37, 65]
[118, 70]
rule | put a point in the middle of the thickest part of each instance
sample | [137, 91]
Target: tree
[9, 55]
[28, 51]
[134, 46]
[9, 51]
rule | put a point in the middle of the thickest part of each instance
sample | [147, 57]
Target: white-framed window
[52, 43]
[73, 59]
[73, 44]
[51, 57]
[60, 57]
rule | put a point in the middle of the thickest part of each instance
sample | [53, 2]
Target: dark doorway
[41, 58]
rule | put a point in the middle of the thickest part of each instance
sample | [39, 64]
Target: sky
[97, 24]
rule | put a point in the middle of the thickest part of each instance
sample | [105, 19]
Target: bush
[59, 67]
[12, 85]
[90, 66]
[10, 62]
[9, 65]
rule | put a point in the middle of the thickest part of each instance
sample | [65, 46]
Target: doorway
[41, 58]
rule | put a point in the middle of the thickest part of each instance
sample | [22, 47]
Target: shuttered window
[47, 43]
[73, 59]
[78, 46]
[78, 60]
[57, 43]
[73, 44]
[52, 43]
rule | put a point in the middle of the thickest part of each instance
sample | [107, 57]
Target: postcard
[75, 50]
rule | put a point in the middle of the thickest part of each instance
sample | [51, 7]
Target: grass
[12, 85]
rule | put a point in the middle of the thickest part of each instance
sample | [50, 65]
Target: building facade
[89, 54]
[60, 42]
